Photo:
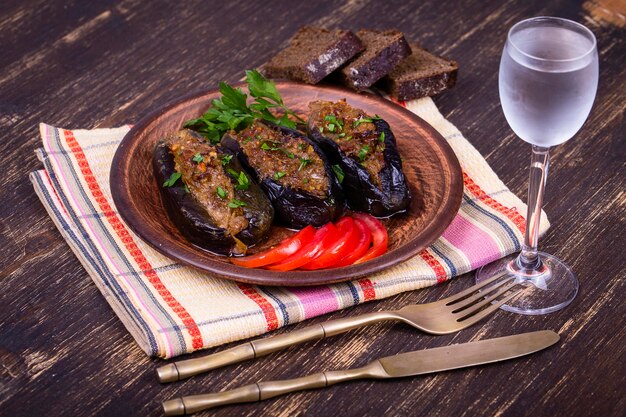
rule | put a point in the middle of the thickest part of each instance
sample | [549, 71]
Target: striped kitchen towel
[171, 309]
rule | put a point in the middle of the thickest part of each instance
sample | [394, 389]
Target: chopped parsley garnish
[234, 203]
[302, 146]
[222, 193]
[286, 152]
[303, 163]
[267, 147]
[321, 129]
[197, 158]
[338, 173]
[333, 123]
[366, 120]
[363, 153]
[278, 175]
[232, 112]
[381, 138]
[172, 179]
[362, 120]
[243, 182]
[226, 159]
[341, 135]
[186, 188]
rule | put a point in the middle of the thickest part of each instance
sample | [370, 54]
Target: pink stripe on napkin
[477, 245]
[316, 300]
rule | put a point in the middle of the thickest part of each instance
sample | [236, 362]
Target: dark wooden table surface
[85, 64]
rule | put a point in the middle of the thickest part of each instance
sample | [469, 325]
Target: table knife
[419, 362]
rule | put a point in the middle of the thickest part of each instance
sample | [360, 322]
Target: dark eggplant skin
[295, 208]
[192, 219]
[362, 194]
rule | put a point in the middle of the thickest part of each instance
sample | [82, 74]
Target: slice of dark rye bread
[421, 74]
[383, 51]
[313, 53]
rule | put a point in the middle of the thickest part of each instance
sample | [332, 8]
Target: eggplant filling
[288, 160]
[354, 132]
[201, 169]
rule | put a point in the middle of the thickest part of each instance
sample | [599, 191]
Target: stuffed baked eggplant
[364, 154]
[208, 195]
[293, 172]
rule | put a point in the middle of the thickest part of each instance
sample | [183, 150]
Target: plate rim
[430, 234]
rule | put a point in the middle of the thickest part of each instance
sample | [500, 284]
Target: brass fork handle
[268, 389]
[261, 347]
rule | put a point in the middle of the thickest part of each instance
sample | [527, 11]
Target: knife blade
[467, 354]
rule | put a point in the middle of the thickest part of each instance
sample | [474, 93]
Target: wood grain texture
[87, 64]
[431, 168]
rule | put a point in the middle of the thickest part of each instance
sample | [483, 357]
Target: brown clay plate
[432, 170]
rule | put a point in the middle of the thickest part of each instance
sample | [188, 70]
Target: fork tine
[469, 308]
[466, 302]
[456, 297]
[470, 320]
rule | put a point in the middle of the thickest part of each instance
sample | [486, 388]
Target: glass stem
[528, 258]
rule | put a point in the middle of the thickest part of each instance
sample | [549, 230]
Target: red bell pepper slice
[324, 236]
[348, 237]
[379, 237]
[287, 247]
[362, 245]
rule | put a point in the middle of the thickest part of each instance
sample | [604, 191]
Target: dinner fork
[448, 315]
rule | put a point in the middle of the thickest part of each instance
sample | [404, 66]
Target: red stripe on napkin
[266, 307]
[437, 267]
[369, 293]
[510, 212]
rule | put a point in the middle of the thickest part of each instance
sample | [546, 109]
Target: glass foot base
[550, 289]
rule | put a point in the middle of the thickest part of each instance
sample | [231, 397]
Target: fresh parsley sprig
[232, 112]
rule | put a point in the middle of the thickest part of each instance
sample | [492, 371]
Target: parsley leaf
[278, 175]
[338, 173]
[172, 179]
[234, 203]
[381, 138]
[231, 111]
[197, 158]
[243, 182]
[221, 193]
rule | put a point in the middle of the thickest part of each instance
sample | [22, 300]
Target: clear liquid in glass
[547, 102]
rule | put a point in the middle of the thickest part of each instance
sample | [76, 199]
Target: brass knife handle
[268, 389]
[186, 368]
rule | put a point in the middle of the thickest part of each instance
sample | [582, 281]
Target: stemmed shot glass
[548, 80]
